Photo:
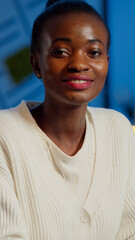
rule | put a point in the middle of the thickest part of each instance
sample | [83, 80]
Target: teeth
[78, 81]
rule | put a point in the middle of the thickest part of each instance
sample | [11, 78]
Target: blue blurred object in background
[17, 80]
[121, 21]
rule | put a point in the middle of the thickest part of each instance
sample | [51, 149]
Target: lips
[77, 82]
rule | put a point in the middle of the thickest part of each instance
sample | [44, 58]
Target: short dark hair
[59, 7]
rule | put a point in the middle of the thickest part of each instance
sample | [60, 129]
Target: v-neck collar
[101, 169]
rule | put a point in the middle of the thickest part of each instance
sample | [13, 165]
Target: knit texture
[77, 170]
[36, 202]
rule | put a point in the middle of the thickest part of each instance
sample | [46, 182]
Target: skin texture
[72, 45]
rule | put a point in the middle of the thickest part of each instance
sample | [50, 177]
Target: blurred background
[17, 80]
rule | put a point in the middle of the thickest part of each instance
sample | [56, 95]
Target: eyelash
[59, 52]
[95, 53]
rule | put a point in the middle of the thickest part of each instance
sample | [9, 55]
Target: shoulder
[10, 120]
[109, 114]
[106, 112]
[6, 119]
[109, 118]
[7, 116]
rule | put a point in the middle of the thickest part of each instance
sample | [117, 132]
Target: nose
[78, 63]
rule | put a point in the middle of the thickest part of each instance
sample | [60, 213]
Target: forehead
[75, 25]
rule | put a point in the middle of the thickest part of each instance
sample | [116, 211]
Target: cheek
[51, 74]
[48, 71]
[46, 65]
[53, 67]
[101, 69]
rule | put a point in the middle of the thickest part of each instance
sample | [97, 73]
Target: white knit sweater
[35, 203]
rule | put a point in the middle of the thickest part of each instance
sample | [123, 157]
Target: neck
[67, 120]
[63, 125]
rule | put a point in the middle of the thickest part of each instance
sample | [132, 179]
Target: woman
[67, 171]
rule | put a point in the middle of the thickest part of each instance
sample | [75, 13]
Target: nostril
[78, 65]
[75, 69]
[72, 70]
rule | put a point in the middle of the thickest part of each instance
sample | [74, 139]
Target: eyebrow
[69, 40]
[62, 40]
[96, 40]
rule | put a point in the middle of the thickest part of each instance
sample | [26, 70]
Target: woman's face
[73, 61]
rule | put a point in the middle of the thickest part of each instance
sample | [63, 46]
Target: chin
[83, 99]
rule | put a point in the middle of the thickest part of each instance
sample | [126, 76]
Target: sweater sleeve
[11, 221]
[127, 226]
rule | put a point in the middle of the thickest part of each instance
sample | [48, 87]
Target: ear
[35, 62]
[108, 57]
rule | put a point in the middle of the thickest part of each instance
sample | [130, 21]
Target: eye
[94, 53]
[60, 52]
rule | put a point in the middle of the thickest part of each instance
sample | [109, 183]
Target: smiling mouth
[78, 81]
[77, 78]
[78, 84]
